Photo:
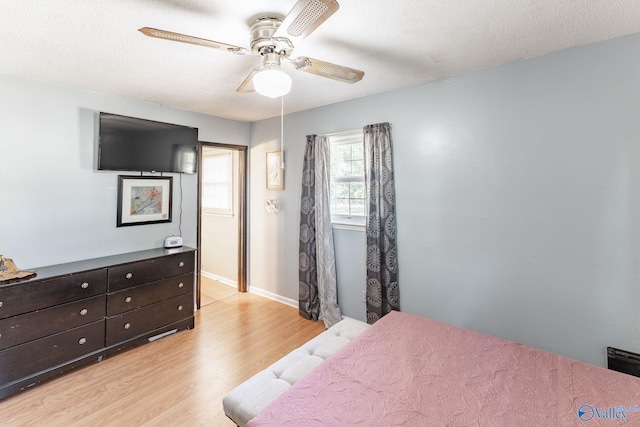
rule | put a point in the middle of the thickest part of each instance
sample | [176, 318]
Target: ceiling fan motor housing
[262, 32]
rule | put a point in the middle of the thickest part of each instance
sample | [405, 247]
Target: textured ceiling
[95, 45]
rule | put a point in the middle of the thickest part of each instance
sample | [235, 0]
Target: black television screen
[130, 144]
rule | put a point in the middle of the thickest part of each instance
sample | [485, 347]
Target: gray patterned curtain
[308, 304]
[382, 253]
[317, 270]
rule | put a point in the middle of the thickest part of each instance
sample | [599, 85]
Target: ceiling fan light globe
[272, 82]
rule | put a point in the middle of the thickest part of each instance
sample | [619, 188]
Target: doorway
[222, 221]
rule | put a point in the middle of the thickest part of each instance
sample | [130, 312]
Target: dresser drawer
[143, 320]
[45, 353]
[25, 297]
[136, 273]
[37, 324]
[139, 296]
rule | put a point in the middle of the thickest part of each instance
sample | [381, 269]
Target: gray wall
[517, 195]
[55, 206]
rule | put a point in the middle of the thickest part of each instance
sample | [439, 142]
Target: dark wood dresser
[77, 313]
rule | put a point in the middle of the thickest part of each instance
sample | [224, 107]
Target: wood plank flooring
[213, 290]
[179, 380]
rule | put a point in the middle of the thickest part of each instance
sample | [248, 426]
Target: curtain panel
[308, 304]
[382, 292]
[317, 270]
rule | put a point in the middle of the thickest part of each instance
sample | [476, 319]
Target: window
[347, 178]
[217, 182]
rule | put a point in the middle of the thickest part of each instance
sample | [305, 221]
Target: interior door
[222, 233]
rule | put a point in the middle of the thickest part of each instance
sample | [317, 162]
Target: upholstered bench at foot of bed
[249, 398]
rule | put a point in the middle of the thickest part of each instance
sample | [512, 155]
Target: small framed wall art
[144, 199]
[275, 171]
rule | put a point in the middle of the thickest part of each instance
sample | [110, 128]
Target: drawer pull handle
[179, 308]
[0, 303]
[128, 275]
[83, 312]
[84, 285]
[181, 264]
[180, 285]
[82, 341]
[127, 325]
[127, 299]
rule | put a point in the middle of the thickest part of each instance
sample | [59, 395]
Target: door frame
[242, 151]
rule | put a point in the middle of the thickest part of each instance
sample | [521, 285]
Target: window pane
[340, 160]
[347, 176]
[342, 190]
[344, 152]
[215, 196]
[342, 207]
[357, 168]
[217, 182]
[357, 151]
[216, 168]
[356, 190]
[357, 207]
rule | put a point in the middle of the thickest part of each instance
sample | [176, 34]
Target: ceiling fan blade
[247, 84]
[305, 17]
[177, 37]
[327, 69]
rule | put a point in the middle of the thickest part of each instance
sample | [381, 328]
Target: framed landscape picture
[144, 200]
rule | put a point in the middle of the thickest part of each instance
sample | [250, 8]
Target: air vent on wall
[623, 361]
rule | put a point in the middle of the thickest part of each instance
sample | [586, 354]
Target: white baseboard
[275, 297]
[261, 292]
[220, 279]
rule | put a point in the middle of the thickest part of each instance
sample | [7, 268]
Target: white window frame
[219, 211]
[349, 222]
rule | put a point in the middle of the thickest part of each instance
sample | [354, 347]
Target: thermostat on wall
[173, 242]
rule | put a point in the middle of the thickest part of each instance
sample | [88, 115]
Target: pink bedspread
[412, 371]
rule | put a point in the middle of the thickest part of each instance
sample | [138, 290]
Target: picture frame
[144, 200]
[275, 171]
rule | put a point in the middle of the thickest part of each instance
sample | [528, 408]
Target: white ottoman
[249, 398]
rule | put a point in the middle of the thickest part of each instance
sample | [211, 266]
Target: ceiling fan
[273, 38]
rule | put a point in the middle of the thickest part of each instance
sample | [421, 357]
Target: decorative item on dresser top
[77, 313]
[9, 271]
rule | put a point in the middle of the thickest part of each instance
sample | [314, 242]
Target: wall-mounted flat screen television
[131, 144]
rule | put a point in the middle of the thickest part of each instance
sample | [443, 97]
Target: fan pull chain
[282, 131]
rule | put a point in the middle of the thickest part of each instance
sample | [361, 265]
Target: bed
[409, 370]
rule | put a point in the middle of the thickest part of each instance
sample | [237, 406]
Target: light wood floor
[179, 380]
[213, 290]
